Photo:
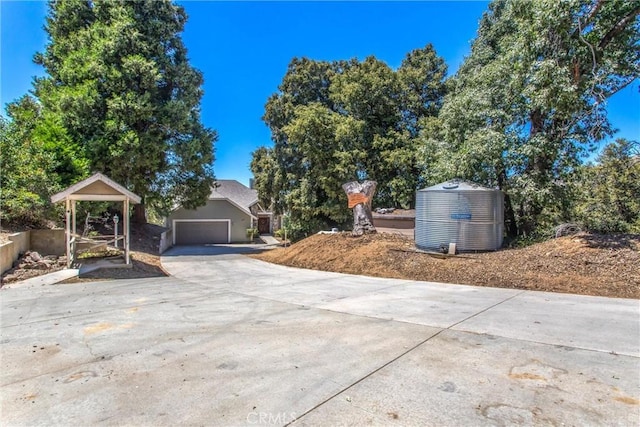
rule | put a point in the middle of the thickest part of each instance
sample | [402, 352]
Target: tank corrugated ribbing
[469, 215]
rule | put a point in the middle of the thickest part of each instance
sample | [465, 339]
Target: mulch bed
[587, 264]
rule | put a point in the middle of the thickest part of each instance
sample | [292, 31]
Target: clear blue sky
[243, 49]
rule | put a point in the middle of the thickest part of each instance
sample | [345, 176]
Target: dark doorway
[263, 225]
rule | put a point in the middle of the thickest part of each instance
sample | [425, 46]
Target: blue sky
[243, 49]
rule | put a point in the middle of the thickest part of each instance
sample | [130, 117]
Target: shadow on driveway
[216, 250]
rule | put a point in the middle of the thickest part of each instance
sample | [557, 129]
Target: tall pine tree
[120, 79]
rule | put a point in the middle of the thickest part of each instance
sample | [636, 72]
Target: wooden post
[74, 230]
[73, 217]
[125, 230]
[115, 230]
[360, 196]
[67, 231]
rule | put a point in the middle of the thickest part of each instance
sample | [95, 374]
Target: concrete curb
[46, 279]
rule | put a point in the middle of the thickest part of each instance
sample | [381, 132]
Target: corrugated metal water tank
[460, 212]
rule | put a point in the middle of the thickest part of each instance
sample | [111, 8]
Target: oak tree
[530, 100]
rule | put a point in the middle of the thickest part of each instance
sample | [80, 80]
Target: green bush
[252, 233]
[608, 199]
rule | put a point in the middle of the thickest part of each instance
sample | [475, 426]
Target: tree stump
[360, 196]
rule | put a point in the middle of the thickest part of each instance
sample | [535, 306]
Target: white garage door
[201, 232]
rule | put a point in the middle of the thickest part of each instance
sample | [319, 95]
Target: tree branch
[619, 88]
[592, 13]
[619, 27]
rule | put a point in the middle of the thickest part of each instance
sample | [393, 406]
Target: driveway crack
[401, 355]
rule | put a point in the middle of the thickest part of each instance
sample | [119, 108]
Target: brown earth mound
[581, 264]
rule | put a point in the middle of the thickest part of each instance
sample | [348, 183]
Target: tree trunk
[139, 214]
[538, 169]
[360, 196]
[509, 213]
[510, 216]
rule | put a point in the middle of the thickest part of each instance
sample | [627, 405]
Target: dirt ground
[144, 242]
[603, 265]
[587, 264]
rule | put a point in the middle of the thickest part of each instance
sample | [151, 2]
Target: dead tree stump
[360, 196]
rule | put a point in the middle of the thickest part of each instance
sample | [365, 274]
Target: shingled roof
[239, 194]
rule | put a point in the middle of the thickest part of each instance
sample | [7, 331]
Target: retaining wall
[10, 251]
[166, 240]
[48, 242]
[45, 242]
[6, 256]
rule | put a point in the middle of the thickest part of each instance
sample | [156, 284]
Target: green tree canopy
[333, 122]
[530, 100]
[608, 197]
[37, 158]
[120, 82]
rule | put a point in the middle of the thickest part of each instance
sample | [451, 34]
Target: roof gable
[235, 192]
[96, 187]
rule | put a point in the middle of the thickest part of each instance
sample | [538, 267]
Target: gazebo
[97, 188]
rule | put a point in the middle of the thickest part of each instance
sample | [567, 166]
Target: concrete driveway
[228, 340]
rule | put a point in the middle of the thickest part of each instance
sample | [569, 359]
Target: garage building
[232, 208]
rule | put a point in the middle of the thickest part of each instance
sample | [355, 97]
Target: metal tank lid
[457, 185]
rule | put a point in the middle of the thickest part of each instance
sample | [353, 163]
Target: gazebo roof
[96, 188]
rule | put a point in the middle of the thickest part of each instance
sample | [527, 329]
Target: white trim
[173, 226]
[68, 193]
[262, 210]
[98, 197]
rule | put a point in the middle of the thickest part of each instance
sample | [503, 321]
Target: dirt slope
[144, 241]
[581, 264]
